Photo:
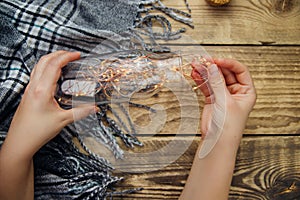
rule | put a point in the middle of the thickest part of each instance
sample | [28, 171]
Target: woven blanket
[31, 29]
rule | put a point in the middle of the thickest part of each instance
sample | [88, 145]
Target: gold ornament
[217, 2]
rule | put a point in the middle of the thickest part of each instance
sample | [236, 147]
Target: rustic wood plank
[276, 74]
[267, 168]
[265, 22]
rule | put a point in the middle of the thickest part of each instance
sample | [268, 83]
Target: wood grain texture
[265, 36]
[266, 22]
[267, 168]
[276, 74]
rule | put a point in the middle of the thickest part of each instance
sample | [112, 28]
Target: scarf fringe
[61, 170]
[143, 36]
[144, 27]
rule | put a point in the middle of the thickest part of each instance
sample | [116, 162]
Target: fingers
[55, 63]
[234, 70]
[229, 76]
[216, 87]
[200, 76]
[48, 69]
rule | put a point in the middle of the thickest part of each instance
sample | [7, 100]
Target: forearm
[210, 177]
[16, 171]
[38, 119]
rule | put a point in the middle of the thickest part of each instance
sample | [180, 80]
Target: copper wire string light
[116, 81]
[138, 76]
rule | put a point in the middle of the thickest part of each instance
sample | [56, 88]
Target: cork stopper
[217, 2]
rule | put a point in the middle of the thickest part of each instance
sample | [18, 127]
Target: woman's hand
[37, 120]
[230, 97]
[39, 117]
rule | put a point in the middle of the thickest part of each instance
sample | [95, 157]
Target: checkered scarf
[30, 29]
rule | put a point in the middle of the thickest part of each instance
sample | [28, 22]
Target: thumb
[217, 84]
[218, 112]
[219, 89]
[80, 112]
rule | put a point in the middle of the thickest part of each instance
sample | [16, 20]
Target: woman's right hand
[229, 97]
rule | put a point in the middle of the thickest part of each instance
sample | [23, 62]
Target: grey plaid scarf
[32, 28]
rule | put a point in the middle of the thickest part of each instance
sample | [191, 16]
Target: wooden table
[264, 35]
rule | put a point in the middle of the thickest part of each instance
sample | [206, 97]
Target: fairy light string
[121, 78]
[126, 76]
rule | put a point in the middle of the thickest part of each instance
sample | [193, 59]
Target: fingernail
[94, 110]
[213, 69]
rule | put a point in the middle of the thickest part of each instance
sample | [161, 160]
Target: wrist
[231, 136]
[19, 145]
